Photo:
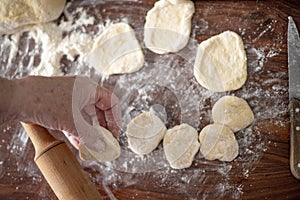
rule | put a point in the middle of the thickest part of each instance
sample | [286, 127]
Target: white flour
[54, 49]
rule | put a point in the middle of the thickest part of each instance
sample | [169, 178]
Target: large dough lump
[145, 132]
[233, 112]
[18, 14]
[181, 145]
[168, 25]
[116, 51]
[221, 62]
[218, 142]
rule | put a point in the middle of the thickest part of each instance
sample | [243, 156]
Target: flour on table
[50, 43]
[16, 15]
[145, 132]
[218, 142]
[233, 112]
[181, 145]
[221, 63]
[165, 71]
[55, 46]
[168, 25]
[110, 148]
[116, 51]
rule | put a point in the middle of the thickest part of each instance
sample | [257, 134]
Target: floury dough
[145, 132]
[110, 148]
[168, 25]
[181, 145]
[116, 51]
[233, 112]
[221, 62]
[18, 14]
[218, 142]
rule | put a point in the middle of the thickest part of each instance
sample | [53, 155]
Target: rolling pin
[59, 166]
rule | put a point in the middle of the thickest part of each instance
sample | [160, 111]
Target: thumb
[96, 142]
[87, 134]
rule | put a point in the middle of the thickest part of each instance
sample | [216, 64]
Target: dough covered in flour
[218, 142]
[233, 112]
[168, 25]
[181, 145]
[116, 51]
[145, 132]
[221, 62]
[18, 14]
[110, 148]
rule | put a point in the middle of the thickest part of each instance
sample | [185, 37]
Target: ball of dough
[116, 51]
[110, 148]
[218, 142]
[145, 132]
[18, 14]
[221, 62]
[181, 145]
[233, 112]
[168, 25]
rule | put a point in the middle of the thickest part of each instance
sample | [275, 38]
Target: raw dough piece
[168, 25]
[116, 51]
[221, 62]
[218, 142]
[144, 133]
[233, 112]
[181, 145]
[18, 14]
[110, 151]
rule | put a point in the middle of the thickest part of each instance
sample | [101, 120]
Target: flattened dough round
[116, 51]
[218, 142]
[181, 145]
[145, 132]
[168, 25]
[18, 14]
[233, 112]
[221, 62]
[110, 148]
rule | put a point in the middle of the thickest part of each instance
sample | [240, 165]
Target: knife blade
[294, 96]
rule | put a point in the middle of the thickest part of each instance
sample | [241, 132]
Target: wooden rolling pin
[60, 167]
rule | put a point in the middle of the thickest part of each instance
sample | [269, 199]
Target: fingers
[88, 135]
[113, 120]
[108, 107]
[97, 105]
[72, 139]
[86, 115]
[101, 118]
[105, 99]
[110, 119]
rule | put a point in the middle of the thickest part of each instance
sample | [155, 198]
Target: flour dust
[165, 84]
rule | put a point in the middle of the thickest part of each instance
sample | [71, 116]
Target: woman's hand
[69, 104]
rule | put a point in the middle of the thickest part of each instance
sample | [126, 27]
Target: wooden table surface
[262, 169]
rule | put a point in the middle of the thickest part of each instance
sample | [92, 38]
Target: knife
[294, 96]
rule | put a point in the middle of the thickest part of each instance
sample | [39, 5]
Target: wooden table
[262, 169]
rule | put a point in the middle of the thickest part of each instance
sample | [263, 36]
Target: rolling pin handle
[60, 167]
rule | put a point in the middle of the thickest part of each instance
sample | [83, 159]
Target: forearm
[27, 99]
[8, 108]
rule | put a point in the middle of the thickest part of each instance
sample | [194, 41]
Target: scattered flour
[54, 49]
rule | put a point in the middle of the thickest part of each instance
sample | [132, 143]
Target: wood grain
[269, 176]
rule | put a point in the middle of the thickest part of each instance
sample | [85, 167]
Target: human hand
[73, 105]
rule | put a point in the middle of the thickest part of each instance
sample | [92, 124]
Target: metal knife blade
[294, 96]
[293, 60]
